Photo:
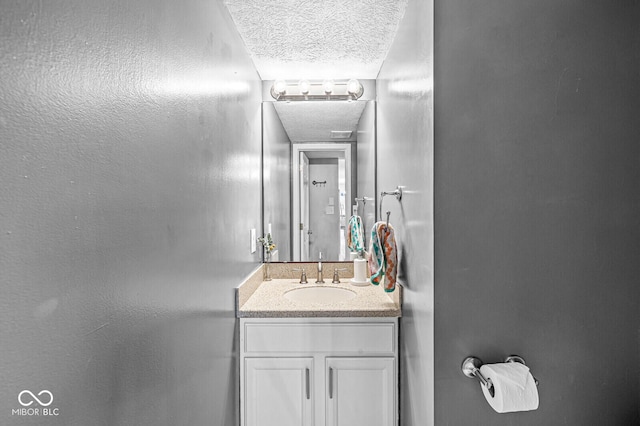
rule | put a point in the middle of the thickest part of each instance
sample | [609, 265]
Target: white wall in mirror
[276, 181]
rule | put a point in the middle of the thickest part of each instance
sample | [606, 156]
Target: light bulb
[327, 86]
[280, 87]
[353, 86]
[304, 86]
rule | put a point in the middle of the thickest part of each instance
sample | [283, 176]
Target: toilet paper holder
[471, 368]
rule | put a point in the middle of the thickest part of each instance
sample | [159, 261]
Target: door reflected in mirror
[320, 190]
[317, 158]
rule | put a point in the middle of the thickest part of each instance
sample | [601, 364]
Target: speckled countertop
[265, 299]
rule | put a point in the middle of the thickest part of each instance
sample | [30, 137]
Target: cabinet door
[277, 392]
[361, 392]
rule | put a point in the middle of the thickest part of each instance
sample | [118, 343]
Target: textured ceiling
[293, 39]
[314, 121]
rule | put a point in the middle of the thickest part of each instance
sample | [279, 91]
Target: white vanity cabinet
[319, 371]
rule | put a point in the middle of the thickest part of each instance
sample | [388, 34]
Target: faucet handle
[336, 277]
[303, 276]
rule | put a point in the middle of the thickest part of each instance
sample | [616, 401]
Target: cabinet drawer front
[358, 338]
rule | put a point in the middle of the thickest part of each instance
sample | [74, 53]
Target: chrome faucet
[320, 280]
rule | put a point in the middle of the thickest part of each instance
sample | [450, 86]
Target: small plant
[267, 243]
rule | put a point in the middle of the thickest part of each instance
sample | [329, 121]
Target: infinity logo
[35, 397]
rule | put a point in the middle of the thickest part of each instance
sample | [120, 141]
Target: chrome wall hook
[364, 204]
[363, 199]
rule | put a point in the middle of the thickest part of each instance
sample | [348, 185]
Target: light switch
[254, 240]
[332, 201]
[328, 210]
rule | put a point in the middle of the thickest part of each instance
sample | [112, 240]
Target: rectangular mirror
[317, 157]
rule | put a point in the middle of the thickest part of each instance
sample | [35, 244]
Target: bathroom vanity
[319, 361]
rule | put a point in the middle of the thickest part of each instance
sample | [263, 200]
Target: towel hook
[363, 199]
[364, 203]
[397, 193]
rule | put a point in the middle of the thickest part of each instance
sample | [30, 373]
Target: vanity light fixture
[280, 87]
[353, 86]
[304, 86]
[327, 90]
[327, 86]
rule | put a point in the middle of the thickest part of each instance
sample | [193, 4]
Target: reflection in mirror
[320, 190]
[333, 144]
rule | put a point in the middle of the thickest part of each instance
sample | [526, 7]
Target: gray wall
[405, 157]
[537, 218]
[366, 167]
[277, 180]
[130, 169]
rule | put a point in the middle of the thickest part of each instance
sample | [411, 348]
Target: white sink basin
[319, 294]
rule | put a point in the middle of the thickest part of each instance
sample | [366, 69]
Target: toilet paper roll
[360, 272]
[514, 386]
